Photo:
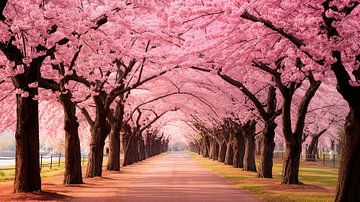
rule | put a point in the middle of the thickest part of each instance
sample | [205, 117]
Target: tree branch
[87, 116]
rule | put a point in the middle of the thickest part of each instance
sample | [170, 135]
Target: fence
[50, 162]
[323, 158]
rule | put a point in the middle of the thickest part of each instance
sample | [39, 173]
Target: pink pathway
[172, 177]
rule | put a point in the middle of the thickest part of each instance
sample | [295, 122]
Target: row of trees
[71, 63]
[269, 63]
[296, 48]
[232, 143]
[236, 144]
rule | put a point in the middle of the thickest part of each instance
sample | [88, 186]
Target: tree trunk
[73, 173]
[148, 147]
[311, 150]
[27, 169]
[142, 150]
[215, 151]
[95, 161]
[239, 151]
[267, 151]
[266, 158]
[259, 144]
[96, 154]
[138, 150]
[249, 156]
[205, 147]
[348, 188]
[248, 131]
[292, 163]
[116, 120]
[114, 148]
[212, 148]
[222, 152]
[100, 129]
[130, 152]
[229, 154]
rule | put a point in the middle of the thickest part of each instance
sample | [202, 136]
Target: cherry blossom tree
[231, 67]
[24, 47]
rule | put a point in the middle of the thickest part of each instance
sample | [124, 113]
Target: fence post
[59, 160]
[323, 159]
[41, 157]
[334, 160]
[50, 162]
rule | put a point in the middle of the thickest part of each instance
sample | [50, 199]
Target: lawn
[7, 173]
[319, 182]
[7, 176]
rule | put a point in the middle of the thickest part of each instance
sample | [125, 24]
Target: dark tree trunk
[96, 154]
[205, 147]
[99, 131]
[229, 154]
[249, 156]
[311, 150]
[349, 172]
[206, 151]
[95, 161]
[142, 150]
[294, 139]
[292, 163]
[201, 148]
[212, 148]
[222, 152]
[239, 151]
[259, 144]
[138, 149]
[148, 147]
[116, 120]
[134, 152]
[267, 151]
[215, 151]
[130, 151]
[114, 148]
[27, 169]
[348, 188]
[153, 147]
[128, 156]
[249, 136]
[73, 173]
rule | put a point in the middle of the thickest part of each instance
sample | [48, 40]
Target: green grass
[319, 182]
[7, 176]
[319, 176]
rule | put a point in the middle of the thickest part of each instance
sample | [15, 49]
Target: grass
[319, 182]
[7, 175]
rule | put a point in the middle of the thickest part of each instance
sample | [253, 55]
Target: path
[172, 177]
